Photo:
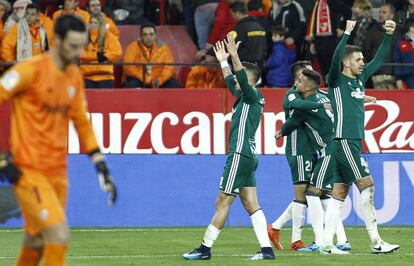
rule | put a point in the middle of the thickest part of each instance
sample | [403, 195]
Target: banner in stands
[180, 190]
[197, 122]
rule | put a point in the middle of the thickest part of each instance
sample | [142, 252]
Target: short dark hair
[33, 6]
[254, 69]
[279, 30]
[298, 66]
[350, 49]
[391, 6]
[408, 25]
[313, 76]
[147, 25]
[66, 23]
[240, 7]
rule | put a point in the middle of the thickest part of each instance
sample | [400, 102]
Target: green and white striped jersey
[297, 142]
[247, 112]
[318, 123]
[347, 94]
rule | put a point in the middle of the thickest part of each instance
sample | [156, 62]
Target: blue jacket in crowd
[404, 53]
[279, 63]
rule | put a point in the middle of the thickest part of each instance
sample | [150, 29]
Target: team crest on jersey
[43, 214]
[71, 91]
[291, 97]
[358, 94]
[10, 80]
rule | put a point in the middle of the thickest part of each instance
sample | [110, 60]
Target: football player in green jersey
[347, 95]
[301, 158]
[238, 178]
[319, 127]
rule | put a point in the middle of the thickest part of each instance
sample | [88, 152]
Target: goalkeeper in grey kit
[238, 178]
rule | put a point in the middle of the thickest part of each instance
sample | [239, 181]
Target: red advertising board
[197, 121]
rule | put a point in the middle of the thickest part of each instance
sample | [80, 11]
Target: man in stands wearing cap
[95, 8]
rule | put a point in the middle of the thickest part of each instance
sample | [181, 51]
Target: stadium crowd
[274, 34]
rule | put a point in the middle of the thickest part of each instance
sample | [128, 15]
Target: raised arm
[381, 53]
[335, 69]
[248, 91]
[222, 56]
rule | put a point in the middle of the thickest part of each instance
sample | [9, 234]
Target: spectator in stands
[404, 53]
[383, 78]
[250, 33]
[72, 7]
[27, 38]
[19, 10]
[324, 29]
[203, 19]
[127, 11]
[290, 15]
[405, 14]
[206, 77]
[267, 6]
[280, 61]
[223, 24]
[149, 49]
[102, 46]
[361, 12]
[4, 11]
[95, 9]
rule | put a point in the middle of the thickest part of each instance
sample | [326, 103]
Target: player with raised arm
[47, 92]
[301, 158]
[319, 127]
[347, 95]
[239, 173]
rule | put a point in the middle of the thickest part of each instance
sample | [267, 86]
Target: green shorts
[324, 171]
[301, 167]
[238, 173]
[350, 166]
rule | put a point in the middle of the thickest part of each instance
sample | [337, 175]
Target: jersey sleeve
[335, 69]
[378, 59]
[293, 122]
[231, 84]
[248, 91]
[16, 80]
[82, 124]
[295, 101]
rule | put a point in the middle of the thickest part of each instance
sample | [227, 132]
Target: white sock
[370, 217]
[332, 218]
[298, 220]
[210, 235]
[284, 218]
[316, 215]
[260, 228]
[340, 230]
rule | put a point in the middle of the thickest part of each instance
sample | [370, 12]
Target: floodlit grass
[164, 246]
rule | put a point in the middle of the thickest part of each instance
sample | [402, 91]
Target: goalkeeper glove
[8, 170]
[105, 177]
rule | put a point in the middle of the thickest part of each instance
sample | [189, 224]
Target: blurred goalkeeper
[47, 92]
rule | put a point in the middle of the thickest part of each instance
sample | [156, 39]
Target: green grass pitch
[164, 246]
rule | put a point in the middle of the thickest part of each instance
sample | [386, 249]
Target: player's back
[297, 143]
[244, 123]
[320, 121]
[41, 110]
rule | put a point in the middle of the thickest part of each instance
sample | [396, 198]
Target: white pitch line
[194, 229]
[215, 255]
